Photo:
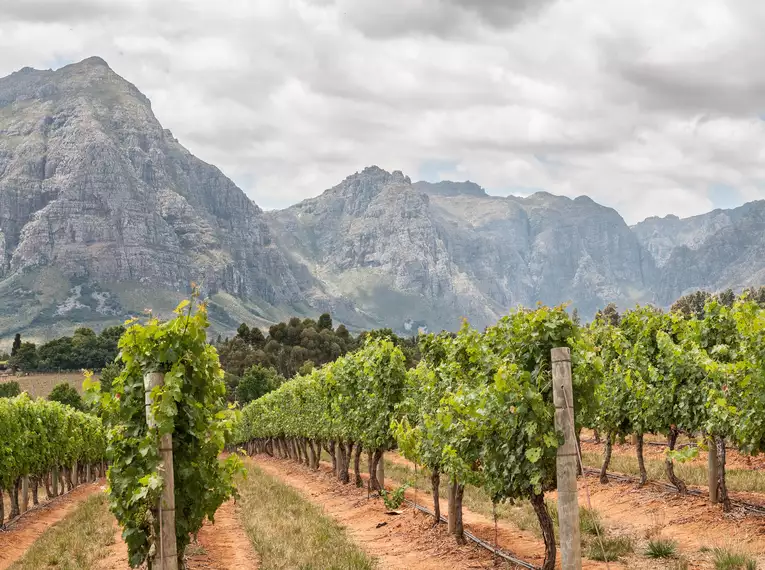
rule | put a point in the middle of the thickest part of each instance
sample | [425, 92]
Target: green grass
[76, 543]
[727, 560]
[609, 549]
[693, 474]
[661, 548]
[290, 533]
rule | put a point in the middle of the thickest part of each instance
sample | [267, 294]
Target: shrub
[394, 499]
[9, 389]
[65, 394]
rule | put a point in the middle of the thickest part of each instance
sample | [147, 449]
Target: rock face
[715, 251]
[91, 185]
[434, 253]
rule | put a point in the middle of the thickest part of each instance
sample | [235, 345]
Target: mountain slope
[95, 194]
[715, 251]
[431, 254]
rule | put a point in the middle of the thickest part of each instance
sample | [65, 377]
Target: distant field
[40, 385]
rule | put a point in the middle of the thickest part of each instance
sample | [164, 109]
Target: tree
[9, 389]
[325, 321]
[67, 395]
[691, 306]
[16, 344]
[243, 332]
[609, 315]
[256, 382]
[25, 358]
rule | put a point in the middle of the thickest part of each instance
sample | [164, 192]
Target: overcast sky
[652, 107]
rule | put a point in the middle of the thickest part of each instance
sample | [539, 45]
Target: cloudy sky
[652, 107]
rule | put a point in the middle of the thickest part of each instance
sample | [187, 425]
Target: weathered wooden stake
[25, 494]
[167, 551]
[568, 501]
[713, 471]
[54, 481]
[87, 473]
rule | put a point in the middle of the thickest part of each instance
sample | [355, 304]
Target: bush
[661, 548]
[394, 499]
[256, 382]
[65, 394]
[9, 389]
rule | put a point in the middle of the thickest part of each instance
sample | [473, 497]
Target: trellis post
[568, 500]
[167, 551]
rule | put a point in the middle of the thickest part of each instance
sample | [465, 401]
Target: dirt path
[221, 546]
[225, 545]
[410, 542]
[649, 512]
[406, 541]
[15, 541]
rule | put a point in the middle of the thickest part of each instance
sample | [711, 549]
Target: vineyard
[473, 416]
[478, 411]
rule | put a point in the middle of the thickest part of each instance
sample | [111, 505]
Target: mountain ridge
[103, 212]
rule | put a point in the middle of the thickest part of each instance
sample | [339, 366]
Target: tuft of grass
[727, 560]
[78, 542]
[661, 548]
[610, 550]
[590, 522]
[272, 511]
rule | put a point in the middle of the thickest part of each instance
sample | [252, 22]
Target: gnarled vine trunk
[340, 463]
[374, 483]
[459, 529]
[641, 462]
[15, 511]
[722, 486]
[46, 482]
[357, 466]
[606, 458]
[546, 524]
[435, 484]
[35, 483]
[330, 448]
[670, 465]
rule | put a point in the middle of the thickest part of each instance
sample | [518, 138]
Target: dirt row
[17, 539]
[410, 540]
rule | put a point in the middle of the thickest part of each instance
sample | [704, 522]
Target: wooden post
[167, 552]
[713, 471]
[568, 501]
[87, 473]
[25, 494]
[54, 481]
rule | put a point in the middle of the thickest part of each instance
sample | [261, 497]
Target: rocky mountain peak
[93, 187]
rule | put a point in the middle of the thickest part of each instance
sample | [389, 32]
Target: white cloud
[644, 106]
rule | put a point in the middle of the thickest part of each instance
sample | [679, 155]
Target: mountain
[434, 253]
[103, 213]
[714, 251]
